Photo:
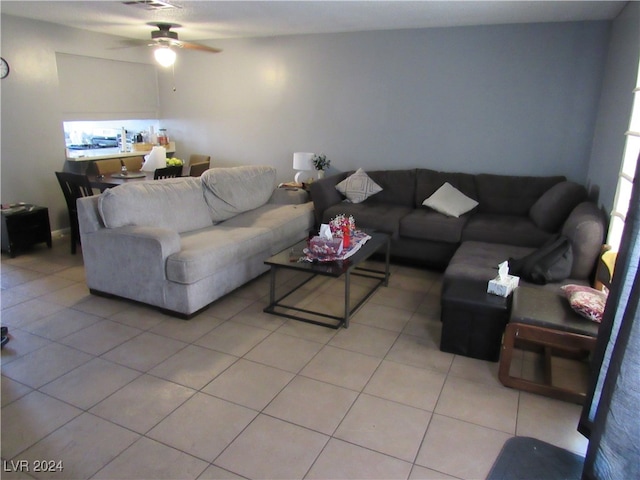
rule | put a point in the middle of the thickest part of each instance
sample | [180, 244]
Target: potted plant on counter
[321, 163]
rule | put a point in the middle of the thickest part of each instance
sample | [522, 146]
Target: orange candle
[346, 238]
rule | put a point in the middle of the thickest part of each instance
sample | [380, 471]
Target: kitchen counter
[106, 153]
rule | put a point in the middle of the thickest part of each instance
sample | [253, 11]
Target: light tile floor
[113, 389]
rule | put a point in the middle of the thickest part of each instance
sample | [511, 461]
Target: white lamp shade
[302, 161]
[165, 56]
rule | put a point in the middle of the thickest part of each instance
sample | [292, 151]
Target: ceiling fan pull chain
[173, 76]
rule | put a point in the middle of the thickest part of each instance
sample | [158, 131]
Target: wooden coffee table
[346, 268]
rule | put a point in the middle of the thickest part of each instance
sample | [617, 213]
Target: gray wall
[518, 99]
[615, 103]
[33, 145]
[512, 99]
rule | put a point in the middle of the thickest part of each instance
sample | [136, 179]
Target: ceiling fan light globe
[165, 56]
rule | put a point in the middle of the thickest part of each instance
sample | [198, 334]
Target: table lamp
[302, 162]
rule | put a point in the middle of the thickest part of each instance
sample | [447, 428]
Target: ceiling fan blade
[198, 46]
[164, 37]
[130, 43]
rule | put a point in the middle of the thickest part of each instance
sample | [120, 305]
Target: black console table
[23, 226]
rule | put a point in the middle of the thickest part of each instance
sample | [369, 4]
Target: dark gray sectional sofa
[515, 216]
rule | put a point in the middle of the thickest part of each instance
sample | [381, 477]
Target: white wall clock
[4, 68]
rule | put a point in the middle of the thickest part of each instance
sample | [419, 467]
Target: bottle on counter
[123, 140]
[153, 138]
[163, 138]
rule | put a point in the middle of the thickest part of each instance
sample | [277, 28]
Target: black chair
[74, 186]
[168, 172]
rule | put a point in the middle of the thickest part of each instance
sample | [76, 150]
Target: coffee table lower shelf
[345, 268]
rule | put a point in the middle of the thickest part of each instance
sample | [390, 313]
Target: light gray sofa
[180, 244]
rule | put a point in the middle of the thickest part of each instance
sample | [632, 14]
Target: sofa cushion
[358, 187]
[586, 228]
[382, 217]
[426, 224]
[511, 195]
[324, 194]
[510, 229]
[230, 191]
[428, 181]
[554, 206]
[398, 187]
[154, 203]
[479, 261]
[450, 201]
[208, 250]
[286, 222]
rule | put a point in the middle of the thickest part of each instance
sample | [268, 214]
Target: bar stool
[105, 167]
[133, 164]
[198, 164]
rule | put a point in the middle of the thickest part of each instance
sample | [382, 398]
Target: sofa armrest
[88, 215]
[130, 238]
[324, 194]
[119, 260]
[585, 227]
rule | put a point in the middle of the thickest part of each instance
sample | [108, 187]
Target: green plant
[321, 162]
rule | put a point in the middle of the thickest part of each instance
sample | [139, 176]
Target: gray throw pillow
[554, 206]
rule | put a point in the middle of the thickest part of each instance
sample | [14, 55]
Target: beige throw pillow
[358, 187]
[450, 201]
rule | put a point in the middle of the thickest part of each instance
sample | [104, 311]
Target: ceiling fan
[164, 39]
[167, 38]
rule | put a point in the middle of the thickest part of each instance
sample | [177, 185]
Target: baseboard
[171, 313]
[63, 232]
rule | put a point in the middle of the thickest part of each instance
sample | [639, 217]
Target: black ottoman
[473, 320]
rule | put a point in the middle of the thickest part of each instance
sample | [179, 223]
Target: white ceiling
[204, 20]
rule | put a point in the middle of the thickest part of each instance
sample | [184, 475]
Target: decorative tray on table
[357, 240]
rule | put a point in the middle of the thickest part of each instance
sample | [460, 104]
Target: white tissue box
[503, 287]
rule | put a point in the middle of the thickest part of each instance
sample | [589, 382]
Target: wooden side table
[544, 320]
[23, 226]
